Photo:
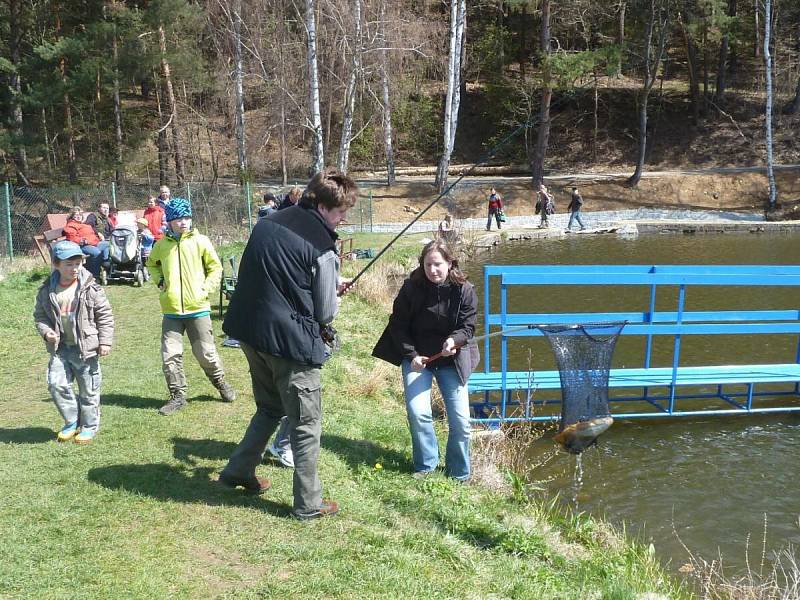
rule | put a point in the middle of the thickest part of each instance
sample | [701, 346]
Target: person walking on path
[495, 209]
[434, 313]
[575, 205]
[284, 302]
[545, 206]
[187, 269]
[74, 318]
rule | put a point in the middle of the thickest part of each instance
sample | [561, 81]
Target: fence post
[249, 206]
[370, 211]
[9, 236]
[114, 194]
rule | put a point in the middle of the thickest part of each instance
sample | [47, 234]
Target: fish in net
[583, 355]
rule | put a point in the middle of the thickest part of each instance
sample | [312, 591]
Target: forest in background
[178, 91]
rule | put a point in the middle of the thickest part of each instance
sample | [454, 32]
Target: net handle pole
[430, 359]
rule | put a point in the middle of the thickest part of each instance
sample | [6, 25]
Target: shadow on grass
[169, 483]
[185, 449]
[358, 453]
[26, 435]
[126, 401]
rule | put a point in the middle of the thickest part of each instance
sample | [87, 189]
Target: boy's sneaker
[226, 392]
[284, 455]
[174, 404]
[69, 431]
[327, 509]
[85, 436]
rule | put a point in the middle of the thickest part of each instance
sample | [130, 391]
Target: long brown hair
[454, 276]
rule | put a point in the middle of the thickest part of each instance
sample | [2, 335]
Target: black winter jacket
[274, 308]
[424, 315]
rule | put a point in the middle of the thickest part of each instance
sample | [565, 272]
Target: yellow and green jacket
[190, 270]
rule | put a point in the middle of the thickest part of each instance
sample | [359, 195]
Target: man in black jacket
[285, 297]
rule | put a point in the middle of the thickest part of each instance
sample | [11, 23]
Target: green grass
[136, 514]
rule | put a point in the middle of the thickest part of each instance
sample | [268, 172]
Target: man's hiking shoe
[257, 485]
[284, 455]
[69, 431]
[85, 437]
[173, 405]
[327, 509]
[226, 392]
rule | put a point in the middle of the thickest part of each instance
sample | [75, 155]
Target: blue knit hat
[177, 209]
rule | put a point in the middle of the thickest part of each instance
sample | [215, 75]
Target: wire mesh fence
[223, 211]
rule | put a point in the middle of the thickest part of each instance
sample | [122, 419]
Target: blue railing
[648, 323]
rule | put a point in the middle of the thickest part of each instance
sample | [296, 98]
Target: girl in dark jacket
[434, 312]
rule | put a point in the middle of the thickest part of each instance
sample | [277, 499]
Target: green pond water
[707, 483]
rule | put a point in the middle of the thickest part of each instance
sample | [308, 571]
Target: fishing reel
[330, 337]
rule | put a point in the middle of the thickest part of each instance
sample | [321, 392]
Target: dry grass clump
[777, 578]
[373, 384]
[20, 264]
[497, 451]
[379, 285]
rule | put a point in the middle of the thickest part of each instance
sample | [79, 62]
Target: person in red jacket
[495, 210]
[83, 234]
[155, 218]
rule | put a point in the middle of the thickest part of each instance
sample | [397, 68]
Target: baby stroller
[125, 256]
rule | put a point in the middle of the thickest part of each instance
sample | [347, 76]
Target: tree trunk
[523, 43]
[72, 165]
[47, 149]
[241, 142]
[173, 108]
[318, 153]
[350, 93]
[17, 127]
[651, 64]
[543, 132]
[282, 92]
[757, 30]
[691, 58]
[119, 171]
[773, 190]
[452, 100]
[722, 65]
[622, 7]
[794, 105]
[161, 141]
[387, 105]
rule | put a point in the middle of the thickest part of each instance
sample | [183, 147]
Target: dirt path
[724, 188]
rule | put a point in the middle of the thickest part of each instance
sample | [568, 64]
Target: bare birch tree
[350, 92]
[235, 16]
[318, 152]
[386, 98]
[773, 188]
[458, 9]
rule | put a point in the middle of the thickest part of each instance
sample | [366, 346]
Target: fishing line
[532, 122]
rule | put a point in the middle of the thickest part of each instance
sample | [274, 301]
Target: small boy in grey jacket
[74, 318]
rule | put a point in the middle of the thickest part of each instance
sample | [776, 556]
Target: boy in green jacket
[187, 269]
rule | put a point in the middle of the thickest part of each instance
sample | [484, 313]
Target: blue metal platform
[654, 391]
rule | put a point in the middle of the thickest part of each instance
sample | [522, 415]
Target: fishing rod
[480, 338]
[529, 123]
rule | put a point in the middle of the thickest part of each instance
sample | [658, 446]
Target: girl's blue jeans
[425, 446]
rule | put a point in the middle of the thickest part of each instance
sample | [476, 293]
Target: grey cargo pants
[283, 387]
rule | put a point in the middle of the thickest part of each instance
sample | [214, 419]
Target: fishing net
[583, 355]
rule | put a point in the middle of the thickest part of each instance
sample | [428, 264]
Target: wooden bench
[641, 387]
[46, 240]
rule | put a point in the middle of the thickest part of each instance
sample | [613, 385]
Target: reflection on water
[706, 483]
